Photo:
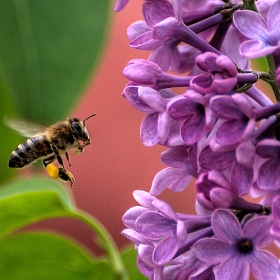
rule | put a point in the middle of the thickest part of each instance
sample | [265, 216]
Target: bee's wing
[25, 128]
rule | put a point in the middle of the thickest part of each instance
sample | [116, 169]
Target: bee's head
[79, 130]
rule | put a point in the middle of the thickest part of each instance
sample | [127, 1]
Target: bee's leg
[49, 160]
[58, 157]
[65, 175]
[80, 148]
[68, 159]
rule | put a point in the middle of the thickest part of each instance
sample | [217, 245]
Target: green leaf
[22, 186]
[47, 256]
[47, 53]
[260, 64]
[8, 139]
[129, 257]
[28, 201]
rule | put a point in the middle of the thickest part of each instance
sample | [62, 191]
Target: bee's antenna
[88, 118]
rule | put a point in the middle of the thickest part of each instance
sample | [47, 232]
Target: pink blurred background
[116, 163]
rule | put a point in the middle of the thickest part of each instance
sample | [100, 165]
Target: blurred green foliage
[33, 256]
[37, 255]
[48, 50]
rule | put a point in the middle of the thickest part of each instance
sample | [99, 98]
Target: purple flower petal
[221, 77]
[181, 108]
[165, 29]
[233, 269]
[211, 250]
[223, 85]
[142, 72]
[206, 184]
[225, 64]
[152, 98]
[131, 93]
[225, 108]
[268, 177]
[207, 62]
[276, 209]
[231, 47]
[145, 262]
[255, 49]
[226, 226]
[131, 215]
[178, 9]
[216, 160]
[251, 24]
[265, 266]
[204, 202]
[241, 179]
[156, 11]
[155, 226]
[137, 28]
[165, 250]
[193, 129]
[145, 41]
[273, 18]
[268, 148]
[245, 154]
[202, 83]
[196, 97]
[165, 209]
[148, 130]
[176, 157]
[135, 237]
[230, 132]
[221, 198]
[258, 229]
[165, 55]
[145, 269]
[164, 126]
[144, 199]
[176, 179]
[120, 4]
[219, 179]
[244, 105]
[181, 232]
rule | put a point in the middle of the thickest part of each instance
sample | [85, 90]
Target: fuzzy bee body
[30, 150]
[51, 144]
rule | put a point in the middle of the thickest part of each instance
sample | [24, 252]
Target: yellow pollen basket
[52, 170]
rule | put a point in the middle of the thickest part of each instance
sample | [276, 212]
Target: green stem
[105, 241]
[250, 5]
[272, 72]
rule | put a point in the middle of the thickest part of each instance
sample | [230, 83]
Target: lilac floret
[238, 250]
[201, 101]
[221, 74]
[264, 35]
[268, 178]
[190, 109]
[238, 119]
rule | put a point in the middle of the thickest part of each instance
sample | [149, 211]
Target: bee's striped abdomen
[29, 151]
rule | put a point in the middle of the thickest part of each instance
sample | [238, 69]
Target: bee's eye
[76, 127]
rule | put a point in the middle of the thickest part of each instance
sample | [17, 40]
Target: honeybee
[51, 143]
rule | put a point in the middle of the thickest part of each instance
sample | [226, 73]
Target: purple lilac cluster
[221, 131]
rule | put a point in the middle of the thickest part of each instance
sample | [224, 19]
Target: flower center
[245, 246]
